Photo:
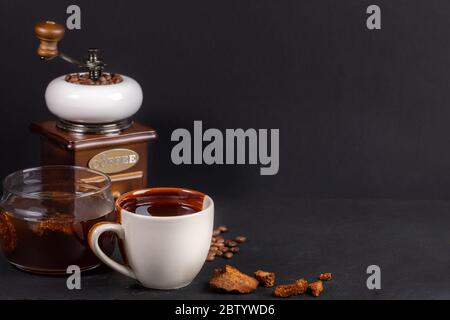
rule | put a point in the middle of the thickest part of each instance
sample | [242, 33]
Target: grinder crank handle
[49, 33]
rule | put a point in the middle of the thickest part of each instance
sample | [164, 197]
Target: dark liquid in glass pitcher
[48, 242]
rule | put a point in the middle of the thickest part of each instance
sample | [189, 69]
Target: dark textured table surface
[409, 240]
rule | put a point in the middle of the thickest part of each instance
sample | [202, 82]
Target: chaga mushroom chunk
[231, 279]
[316, 288]
[265, 278]
[325, 276]
[286, 290]
[8, 236]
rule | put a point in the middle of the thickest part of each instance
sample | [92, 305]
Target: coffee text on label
[114, 160]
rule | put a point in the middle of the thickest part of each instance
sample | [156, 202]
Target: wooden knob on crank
[48, 33]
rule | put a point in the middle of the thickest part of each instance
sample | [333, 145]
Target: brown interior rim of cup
[186, 196]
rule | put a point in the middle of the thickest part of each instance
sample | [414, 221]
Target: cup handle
[95, 233]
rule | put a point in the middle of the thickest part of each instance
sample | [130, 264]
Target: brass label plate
[114, 160]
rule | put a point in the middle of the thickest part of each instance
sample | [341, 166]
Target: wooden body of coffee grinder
[93, 128]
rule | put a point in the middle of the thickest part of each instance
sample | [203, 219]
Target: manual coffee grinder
[93, 108]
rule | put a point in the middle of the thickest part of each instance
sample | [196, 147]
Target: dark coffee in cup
[164, 202]
[163, 210]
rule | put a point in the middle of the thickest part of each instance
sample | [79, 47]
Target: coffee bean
[220, 239]
[84, 79]
[228, 255]
[220, 246]
[234, 249]
[223, 228]
[210, 257]
[231, 243]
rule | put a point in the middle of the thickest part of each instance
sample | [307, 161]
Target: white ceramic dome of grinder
[89, 98]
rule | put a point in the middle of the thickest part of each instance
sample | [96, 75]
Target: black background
[362, 114]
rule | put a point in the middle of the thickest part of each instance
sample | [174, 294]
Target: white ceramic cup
[161, 252]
